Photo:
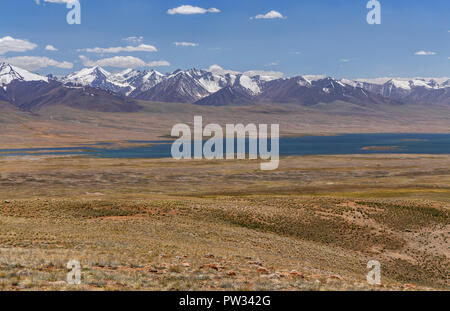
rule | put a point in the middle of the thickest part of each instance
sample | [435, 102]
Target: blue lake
[308, 145]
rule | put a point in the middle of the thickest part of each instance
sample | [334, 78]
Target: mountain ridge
[31, 92]
[204, 87]
[200, 87]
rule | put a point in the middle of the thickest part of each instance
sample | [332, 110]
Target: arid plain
[152, 224]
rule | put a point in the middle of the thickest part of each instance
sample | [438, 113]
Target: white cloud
[272, 74]
[425, 53]
[134, 39]
[160, 63]
[189, 10]
[121, 62]
[219, 70]
[10, 44]
[270, 15]
[345, 60]
[116, 61]
[33, 63]
[272, 64]
[185, 44]
[50, 47]
[58, 1]
[263, 73]
[119, 49]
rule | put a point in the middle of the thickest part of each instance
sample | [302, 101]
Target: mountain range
[32, 92]
[97, 89]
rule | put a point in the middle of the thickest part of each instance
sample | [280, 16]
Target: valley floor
[208, 225]
[59, 126]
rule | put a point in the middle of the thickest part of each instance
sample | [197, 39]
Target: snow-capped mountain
[178, 86]
[416, 90]
[96, 77]
[408, 84]
[304, 90]
[218, 88]
[192, 85]
[10, 73]
[237, 90]
[224, 88]
[124, 82]
[137, 80]
[31, 92]
[88, 76]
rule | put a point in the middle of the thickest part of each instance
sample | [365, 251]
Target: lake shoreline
[406, 143]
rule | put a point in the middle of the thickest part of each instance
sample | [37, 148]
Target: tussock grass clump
[408, 215]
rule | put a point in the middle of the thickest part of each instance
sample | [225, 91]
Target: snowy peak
[10, 73]
[192, 85]
[415, 90]
[124, 82]
[406, 83]
[131, 75]
[446, 83]
[97, 77]
[87, 76]
[307, 91]
[211, 82]
[184, 85]
[180, 86]
[253, 85]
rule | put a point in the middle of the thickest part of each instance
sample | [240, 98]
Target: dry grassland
[206, 225]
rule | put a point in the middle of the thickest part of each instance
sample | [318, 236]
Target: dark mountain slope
[35, 95]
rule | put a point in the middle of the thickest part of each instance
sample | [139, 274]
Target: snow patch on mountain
[10, 73]
[250, 84]
[194, 84]
[87, 76]
[401, 84]
[313, 78]
[211, 86]
[408, 83]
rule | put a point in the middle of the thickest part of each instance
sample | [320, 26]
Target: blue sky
[328, 37]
